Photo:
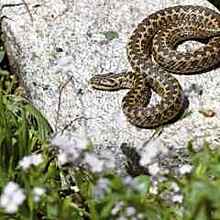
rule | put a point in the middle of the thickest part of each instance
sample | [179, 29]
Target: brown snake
[158, 36]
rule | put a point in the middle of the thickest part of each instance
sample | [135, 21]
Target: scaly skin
[159, 35]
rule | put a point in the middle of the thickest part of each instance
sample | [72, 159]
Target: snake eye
[104, 82]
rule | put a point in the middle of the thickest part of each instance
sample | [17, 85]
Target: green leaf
[143, 183]
[2, 55]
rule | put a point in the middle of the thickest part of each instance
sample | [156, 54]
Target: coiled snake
[158, 36]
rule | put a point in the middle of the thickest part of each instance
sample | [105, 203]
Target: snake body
[152, 54]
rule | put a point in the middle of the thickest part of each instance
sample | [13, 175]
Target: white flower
[4, 200]
[38, 192]
[154, 169]
[130, 211]
[129, 181]
[140, 216]
[18, 197]
[177, 198]
[101, 188]
[151, 152]
[62, 158]
[10, 188]
[108, 158]
[153, 190]
[118, 206]
[186, 168]
[75, 188]
[11, 208]
[60, 141]
[12, 197]
[95, 164]
[71, 147]
[175, 187]
[37, 159]
[27, 161]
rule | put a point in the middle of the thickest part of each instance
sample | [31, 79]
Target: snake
[152, 51]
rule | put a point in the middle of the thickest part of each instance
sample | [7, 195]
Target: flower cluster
[125, 212]
[28, 161]
[76, 151]
[101, 188]
[12, 197]
[70, 150]
[38, 192]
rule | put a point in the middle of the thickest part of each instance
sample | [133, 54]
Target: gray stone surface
[69, 41]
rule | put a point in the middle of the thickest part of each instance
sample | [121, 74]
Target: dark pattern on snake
[159, 35]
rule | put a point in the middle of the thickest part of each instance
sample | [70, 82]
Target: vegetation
[41, 178]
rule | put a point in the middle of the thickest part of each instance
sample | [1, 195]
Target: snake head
[107, 82]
